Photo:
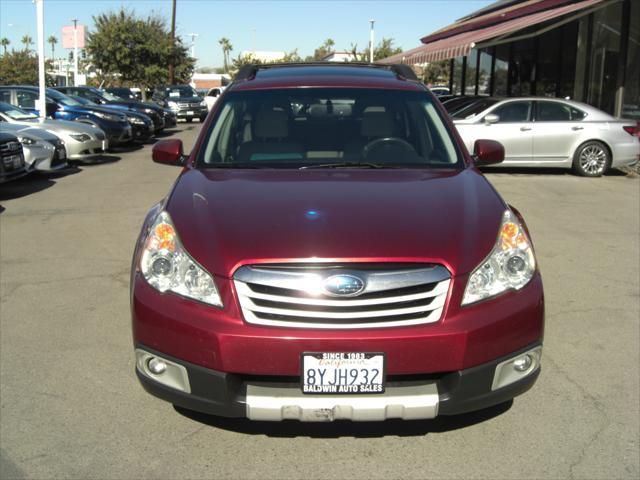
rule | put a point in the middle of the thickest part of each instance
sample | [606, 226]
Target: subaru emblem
[343, 285]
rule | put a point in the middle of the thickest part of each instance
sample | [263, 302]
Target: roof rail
[249, 71]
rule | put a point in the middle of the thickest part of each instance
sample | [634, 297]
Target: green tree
[385, 49]
[225, 43]
[322, 51]
[5, 43]
[21, 68]
[52, 40]
[28, 41]
[136, 51]
[436, 73]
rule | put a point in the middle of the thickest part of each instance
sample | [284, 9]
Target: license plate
[190, 112]
[342, 373]
[16, 160]
[62, 154]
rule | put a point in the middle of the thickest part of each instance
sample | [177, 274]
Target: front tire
[591, 159]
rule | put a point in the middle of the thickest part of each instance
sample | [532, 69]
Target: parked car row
[81, 123]
[546, 132]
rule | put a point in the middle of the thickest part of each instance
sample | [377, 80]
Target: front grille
[10, 148]
[294, 297]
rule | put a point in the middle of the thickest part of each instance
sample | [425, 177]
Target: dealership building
[586, 50]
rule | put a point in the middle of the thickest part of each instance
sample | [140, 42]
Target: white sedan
[544, 132]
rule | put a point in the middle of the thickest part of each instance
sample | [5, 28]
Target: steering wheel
[385, 141]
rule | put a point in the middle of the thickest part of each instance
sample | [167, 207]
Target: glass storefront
[604, 58]
[501, 70]
[581, 59]
[631, 99]
[456, 77]
[484, 74]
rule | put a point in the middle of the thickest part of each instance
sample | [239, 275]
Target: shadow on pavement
[558, 172]
[98, 160]
[24, 186]
[400, 428]
[167, 132]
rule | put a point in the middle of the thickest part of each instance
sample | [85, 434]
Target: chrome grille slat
[245, 290]
[287, 297]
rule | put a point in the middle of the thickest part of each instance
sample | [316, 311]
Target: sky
[260, 24]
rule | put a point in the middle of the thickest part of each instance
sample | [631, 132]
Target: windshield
[181, 91]
[16, 113]
[328, 128]
[62, 99]
[109, 96]
[82, 101]
[474, 109]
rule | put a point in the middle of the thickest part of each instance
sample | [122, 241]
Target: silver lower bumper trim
[407, 403]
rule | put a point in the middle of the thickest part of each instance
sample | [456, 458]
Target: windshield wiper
[348, 165]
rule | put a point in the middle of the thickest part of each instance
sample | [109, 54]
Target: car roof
[300, 75]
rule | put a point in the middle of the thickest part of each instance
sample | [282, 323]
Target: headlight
[149, 110]
[136, 120]
[203, 103]
[108, 116]
[509, 266]
[80, 137]
[26, 140]
[173, 105]
[168, 267]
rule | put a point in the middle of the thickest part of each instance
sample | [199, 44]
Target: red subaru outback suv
[331, 251]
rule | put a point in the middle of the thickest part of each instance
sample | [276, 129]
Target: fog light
[523, 363]
[156, 366]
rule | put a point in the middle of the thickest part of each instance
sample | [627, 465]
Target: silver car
[81, 141]
[544, 132]
[43, 151]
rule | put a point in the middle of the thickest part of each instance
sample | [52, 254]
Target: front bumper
[83, 150]
[276, 398]
[191, 112]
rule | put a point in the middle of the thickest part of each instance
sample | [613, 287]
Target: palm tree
[52, 41]
[28, 41]
[225, 43]
[328, 45]
[5, 43]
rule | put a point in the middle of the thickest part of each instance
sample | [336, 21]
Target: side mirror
[168, 152]
[488, 152]
[491, 118]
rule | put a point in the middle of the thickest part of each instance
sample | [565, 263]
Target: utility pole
[193, 43]
[173, 43]
[371, 42]
[42, 102]
[75, 51]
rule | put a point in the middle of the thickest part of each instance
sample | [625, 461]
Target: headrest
[271, 123]
[376, 123]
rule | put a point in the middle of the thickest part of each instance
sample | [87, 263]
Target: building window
[550, 48]
[470, 76]
[605, 55]
[522, 71]
[456, 85]
[568, 65]
[631, 99]
[501, 70]
[484, 75]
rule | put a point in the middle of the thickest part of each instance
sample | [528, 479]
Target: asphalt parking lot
[71, 406]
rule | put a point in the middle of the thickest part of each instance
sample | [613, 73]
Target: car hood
[31, 130]
[93, 108]
[57, 126]
[135, 105]
[226, 218]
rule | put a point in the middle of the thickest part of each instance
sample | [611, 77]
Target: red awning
[460, 45]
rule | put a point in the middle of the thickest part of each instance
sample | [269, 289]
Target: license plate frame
[335, 365]
[190, 113]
